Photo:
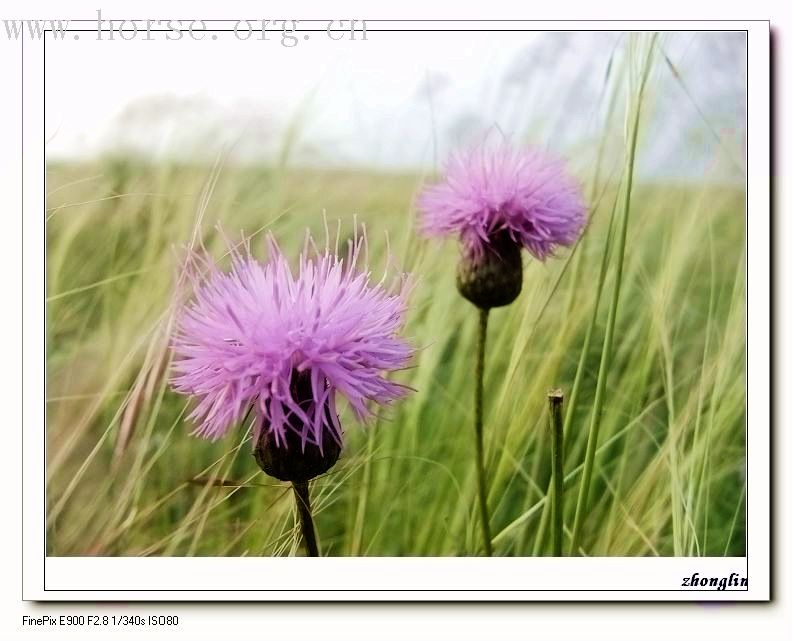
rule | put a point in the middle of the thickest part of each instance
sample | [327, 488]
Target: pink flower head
[248, 335]
[492, 189]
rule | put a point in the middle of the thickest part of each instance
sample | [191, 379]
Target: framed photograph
[394, 310]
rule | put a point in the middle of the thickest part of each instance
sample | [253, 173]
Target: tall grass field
[125, 477]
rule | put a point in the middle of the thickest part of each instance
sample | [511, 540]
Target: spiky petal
[525, 192]
[248, 334]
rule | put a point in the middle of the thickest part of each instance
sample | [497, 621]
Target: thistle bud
[493, 279]
[293, 459]
[290, 462]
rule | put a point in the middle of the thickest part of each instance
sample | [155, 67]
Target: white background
[390, 622]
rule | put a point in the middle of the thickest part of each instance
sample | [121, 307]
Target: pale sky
[398, 100]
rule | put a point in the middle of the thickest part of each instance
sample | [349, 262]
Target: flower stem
[556, 401]
[302, 498]
[482, 484]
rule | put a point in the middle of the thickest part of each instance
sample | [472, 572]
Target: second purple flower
[498, 200]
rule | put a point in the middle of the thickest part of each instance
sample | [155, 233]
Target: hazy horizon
[390, 103]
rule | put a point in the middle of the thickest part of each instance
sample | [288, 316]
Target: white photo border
[405, 579]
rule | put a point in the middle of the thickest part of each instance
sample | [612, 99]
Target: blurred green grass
[125, 478]
[121, 465]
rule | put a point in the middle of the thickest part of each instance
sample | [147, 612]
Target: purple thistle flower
[488, 191]
[258, 336]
